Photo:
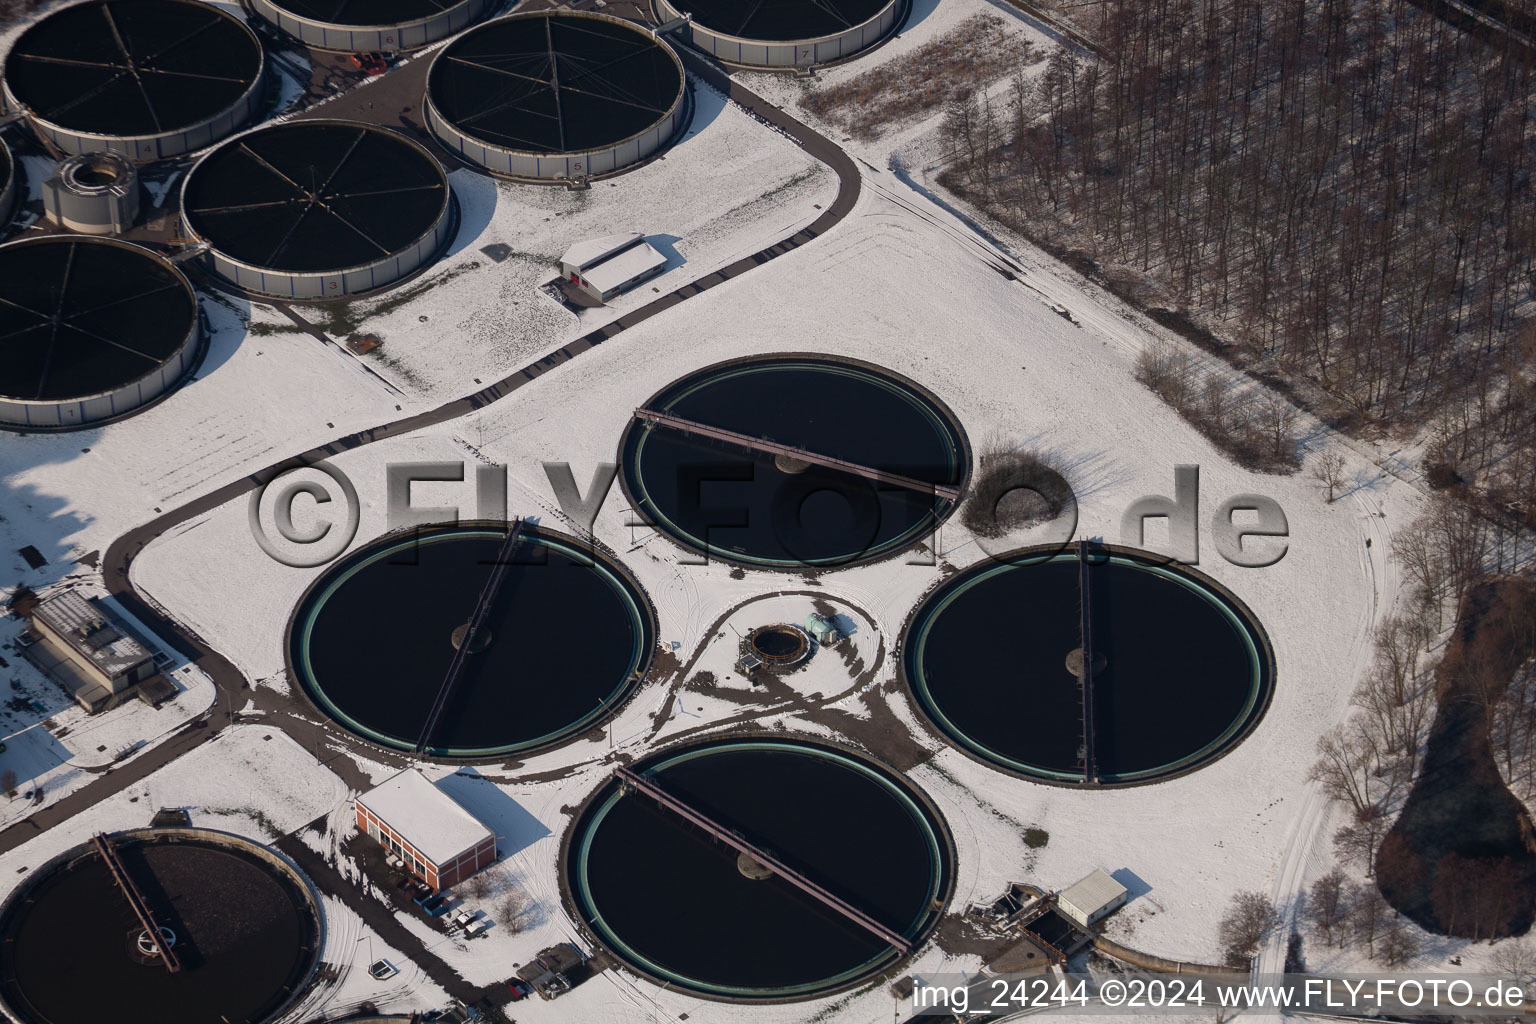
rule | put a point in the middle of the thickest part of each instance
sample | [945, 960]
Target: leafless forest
[1338, 190]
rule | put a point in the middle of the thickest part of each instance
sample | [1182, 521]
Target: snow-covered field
[1045, 360]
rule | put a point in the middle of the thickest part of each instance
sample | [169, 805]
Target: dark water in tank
[1179, 672]
[676, 899]
[241, 937]
[565, 639]
[740, 505]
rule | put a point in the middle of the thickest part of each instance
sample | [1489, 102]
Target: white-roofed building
[1091, 898]
[436, 839]
[604, 267]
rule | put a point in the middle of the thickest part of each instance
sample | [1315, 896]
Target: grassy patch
[952, 67]
[1036, 838]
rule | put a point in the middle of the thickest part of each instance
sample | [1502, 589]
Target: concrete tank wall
[369, 38]
[276, 282]
[577, 164]
[161, 146]
[75, 412]
[788, 54]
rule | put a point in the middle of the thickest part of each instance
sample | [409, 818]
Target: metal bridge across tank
[477, 619]
[640, 784]
[666, 419]
[136, 901]
[1085, 673]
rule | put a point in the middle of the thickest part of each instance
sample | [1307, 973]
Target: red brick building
[436, 839]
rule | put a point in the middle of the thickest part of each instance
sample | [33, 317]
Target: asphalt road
[234, 690]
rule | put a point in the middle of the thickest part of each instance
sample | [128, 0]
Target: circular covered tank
[556, 95]
[93, 193]
[317, 209]
[364, 26]
[241, 924]
[784, 33]
[149, 79]
[90, 329]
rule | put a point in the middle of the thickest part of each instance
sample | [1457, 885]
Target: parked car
[370, 63]
[519, 988]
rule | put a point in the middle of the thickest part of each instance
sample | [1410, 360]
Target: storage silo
[784, 33]
[317, 209]
[93, 193]
[365, 26]
[149, 79]
[90, 329]
[556, 95]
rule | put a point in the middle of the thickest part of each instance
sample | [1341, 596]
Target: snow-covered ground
[1045, 360]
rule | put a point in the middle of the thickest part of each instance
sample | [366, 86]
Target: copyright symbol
[304, 548]
[1112, 992]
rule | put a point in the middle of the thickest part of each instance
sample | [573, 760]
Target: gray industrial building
[92, 657]
[385, 27]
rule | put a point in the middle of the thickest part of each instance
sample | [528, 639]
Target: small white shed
[1092, 898]
[604, 267]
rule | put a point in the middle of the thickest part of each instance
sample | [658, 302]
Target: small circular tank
[93, 193]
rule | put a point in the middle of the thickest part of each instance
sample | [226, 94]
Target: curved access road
[233, 687]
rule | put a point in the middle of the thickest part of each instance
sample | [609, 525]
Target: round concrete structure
[355, 26]
[317, 209]
[149, 79]
[90, 329]
[784, 33]
[248, 930]
[93, 193]
[860, 832]
[556, 95]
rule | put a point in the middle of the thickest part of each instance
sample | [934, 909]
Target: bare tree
[1515, 958]
[1368, 913]
[1328, 903]
[1249, 919]
[510, 911]
[1398, 943]
[1350, 766]
[1328, 470]
[479, 885]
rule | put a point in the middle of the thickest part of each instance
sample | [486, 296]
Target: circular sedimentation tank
[365, 26]
[90, 329]
[556, 95]
[568, 637]
[850, 826]
[759, 510]
[244, 925]
[149, 79]
[1182, 670]
[784, 33]
[317, 209]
